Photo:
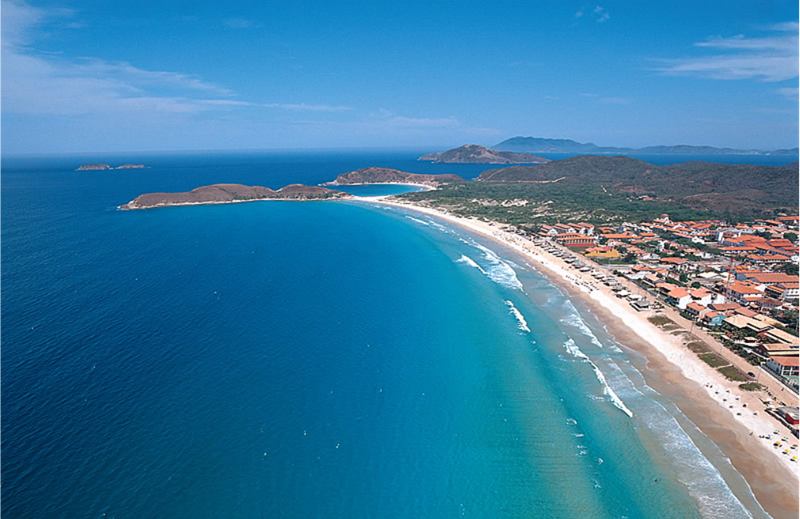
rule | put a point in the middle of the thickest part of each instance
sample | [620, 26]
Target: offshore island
[103, 167]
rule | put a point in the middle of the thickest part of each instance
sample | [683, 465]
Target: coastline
[425, 187]
[709, 400]
[125, 207]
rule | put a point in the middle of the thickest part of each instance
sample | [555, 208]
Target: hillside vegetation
[615, 189]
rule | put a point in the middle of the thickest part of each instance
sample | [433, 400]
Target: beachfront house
[713, 318]
[784, 365]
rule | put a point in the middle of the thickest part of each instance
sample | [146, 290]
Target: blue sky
[139, 76]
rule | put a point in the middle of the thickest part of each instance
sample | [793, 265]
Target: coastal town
[736, 285]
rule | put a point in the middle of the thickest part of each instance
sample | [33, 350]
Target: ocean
[325, 359]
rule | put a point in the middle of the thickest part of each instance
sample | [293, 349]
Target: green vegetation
[698, 347]
[731, 191]
[660, 320]
[713, 360]
[751, 386]
[733, 373]
[790, 268]
[519, 203]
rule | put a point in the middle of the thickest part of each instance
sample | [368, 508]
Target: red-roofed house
[743, 293]
[784, 365]
[574, 240]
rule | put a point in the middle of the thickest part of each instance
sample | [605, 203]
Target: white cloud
[386, 118]
[241, 23]
[615, 100]
[37, 83]
[302, 107]
[600, 14]
[766, 58]
[792, 93]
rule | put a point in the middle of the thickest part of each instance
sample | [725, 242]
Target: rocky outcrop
[391, 176]
[94, 167]
[474, 154]
[231, 193]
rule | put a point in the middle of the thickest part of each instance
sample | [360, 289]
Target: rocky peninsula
[475, 154]
[232, 193]
[391, 176]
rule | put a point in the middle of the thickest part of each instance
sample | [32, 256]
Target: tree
[683, 277]
[790, 268]
[629, 258]
[791, 236]
[696, 284]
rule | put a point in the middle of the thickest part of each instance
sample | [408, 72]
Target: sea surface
[325, 359]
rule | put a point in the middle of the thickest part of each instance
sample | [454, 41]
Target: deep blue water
[326, 359]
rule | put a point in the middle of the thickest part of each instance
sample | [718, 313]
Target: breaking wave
[423, 222]
[469, 261]
[522, 324]
[571, 347]
[574, 319]
[500, 272]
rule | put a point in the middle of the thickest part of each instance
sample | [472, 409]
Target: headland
[232, 193]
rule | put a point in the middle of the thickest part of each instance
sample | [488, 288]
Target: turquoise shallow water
[330, 359]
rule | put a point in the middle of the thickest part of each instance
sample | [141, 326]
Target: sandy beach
[734, 419]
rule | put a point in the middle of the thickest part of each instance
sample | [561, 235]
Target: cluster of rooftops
[732, 278]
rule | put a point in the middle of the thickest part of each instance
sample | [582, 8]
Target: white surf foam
[522, 324]
[423, 222]
[576, 352]
[469, 261]
[500, 272]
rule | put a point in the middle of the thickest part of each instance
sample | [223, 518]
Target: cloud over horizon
[769, 58]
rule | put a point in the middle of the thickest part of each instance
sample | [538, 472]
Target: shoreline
[709, 400]
[124, 207]
[425, 187]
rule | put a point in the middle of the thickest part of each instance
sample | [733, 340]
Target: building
[790, 414]
[603, 252]
[743, 293]
[775, 335]
[784, 365]
[713, 318]
[574, 240]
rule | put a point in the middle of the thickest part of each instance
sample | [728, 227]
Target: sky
[99, 76]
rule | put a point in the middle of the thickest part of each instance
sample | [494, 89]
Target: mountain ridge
[476, 154]
[545, 145]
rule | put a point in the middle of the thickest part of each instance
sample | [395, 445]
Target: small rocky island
[232, 193]
[94, 167]
[475, 154]
[391, 176]
[102, 167]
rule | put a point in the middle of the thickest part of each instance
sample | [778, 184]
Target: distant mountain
[540, 145]
[702, 185]
[474, 154]
[390, 176]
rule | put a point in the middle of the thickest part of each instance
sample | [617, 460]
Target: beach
[725, 413]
